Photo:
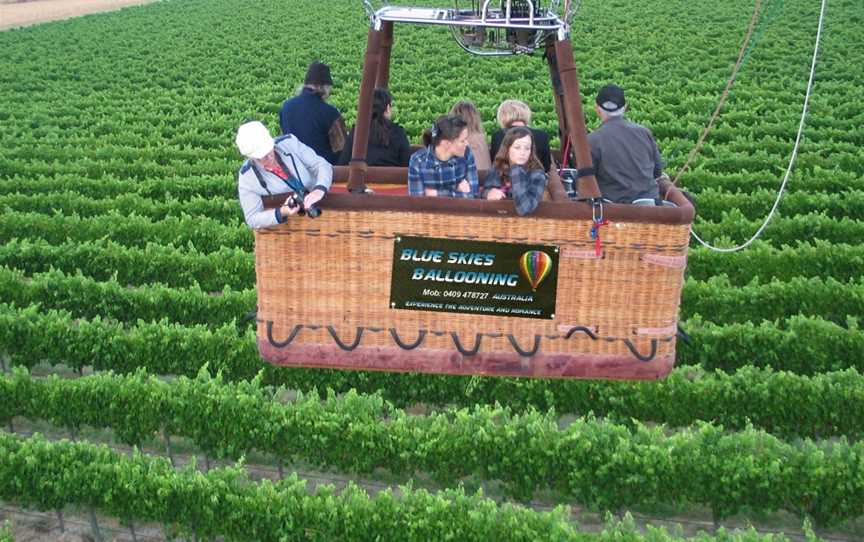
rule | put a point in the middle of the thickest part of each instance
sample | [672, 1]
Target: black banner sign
[476, 277]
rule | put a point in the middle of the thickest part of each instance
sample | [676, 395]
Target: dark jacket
[541, 146]
[309, 118]
[396, 153]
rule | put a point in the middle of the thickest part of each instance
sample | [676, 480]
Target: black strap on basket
[406, 346]
[518, 348]
[462, 349]
[636, 353]
[342, 345]
[583, 329]
[585, 172]
[684, 336]
[286, 342]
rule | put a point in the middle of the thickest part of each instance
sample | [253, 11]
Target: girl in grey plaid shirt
[516, 172]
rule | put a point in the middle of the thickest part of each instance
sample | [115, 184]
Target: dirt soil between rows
[16, 13]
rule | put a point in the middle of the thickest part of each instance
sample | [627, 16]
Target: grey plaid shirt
[526, 188]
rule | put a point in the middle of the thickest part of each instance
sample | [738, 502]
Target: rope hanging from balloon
[798, 137]
[723, 97]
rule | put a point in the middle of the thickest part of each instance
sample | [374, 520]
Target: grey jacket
[626, 159]
[313, 170]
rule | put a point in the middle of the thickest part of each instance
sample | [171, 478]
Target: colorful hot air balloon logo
[535, 266]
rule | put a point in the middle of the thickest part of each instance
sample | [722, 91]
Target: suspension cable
[794, 149]
[744, 47]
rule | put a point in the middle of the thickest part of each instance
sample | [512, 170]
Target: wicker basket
[324, 293]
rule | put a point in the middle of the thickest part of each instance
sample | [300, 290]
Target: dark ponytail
[380, 128]
[447, 127]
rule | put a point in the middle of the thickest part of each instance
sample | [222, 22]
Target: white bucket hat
[254, 140]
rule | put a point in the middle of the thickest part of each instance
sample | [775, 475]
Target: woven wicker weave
[324, 292]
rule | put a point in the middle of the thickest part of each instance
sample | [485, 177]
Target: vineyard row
[808, 346]
[597, 463]
[103, 259]
[716, 299]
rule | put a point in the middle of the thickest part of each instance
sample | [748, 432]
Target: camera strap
[291, 181]
[294, 183]
[259, 177]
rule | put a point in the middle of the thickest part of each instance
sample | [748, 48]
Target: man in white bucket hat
[277, 166]
[626, 159]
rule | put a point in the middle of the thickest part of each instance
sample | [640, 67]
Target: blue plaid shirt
[427, 171]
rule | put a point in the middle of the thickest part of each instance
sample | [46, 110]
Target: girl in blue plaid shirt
[516, 172]
[446, 166]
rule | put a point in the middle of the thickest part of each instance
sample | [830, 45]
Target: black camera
[295, 201]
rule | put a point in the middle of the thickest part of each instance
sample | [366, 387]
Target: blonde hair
[468, 112]
[321, 90]
[511, 111]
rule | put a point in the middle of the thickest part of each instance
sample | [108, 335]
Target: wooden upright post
[575, 118]
[357, 168]
[558, 94]
[382, 79]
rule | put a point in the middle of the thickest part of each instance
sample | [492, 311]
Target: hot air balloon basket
[462, 294]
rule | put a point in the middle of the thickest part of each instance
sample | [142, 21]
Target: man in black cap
[308, 117]
[626, 158]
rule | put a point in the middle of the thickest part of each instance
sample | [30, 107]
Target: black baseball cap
[611, 98]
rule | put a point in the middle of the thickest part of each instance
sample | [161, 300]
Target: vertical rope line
[794, 148]
[723, 97]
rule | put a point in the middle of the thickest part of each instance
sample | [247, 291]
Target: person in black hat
[308, 117]
[626, 159]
